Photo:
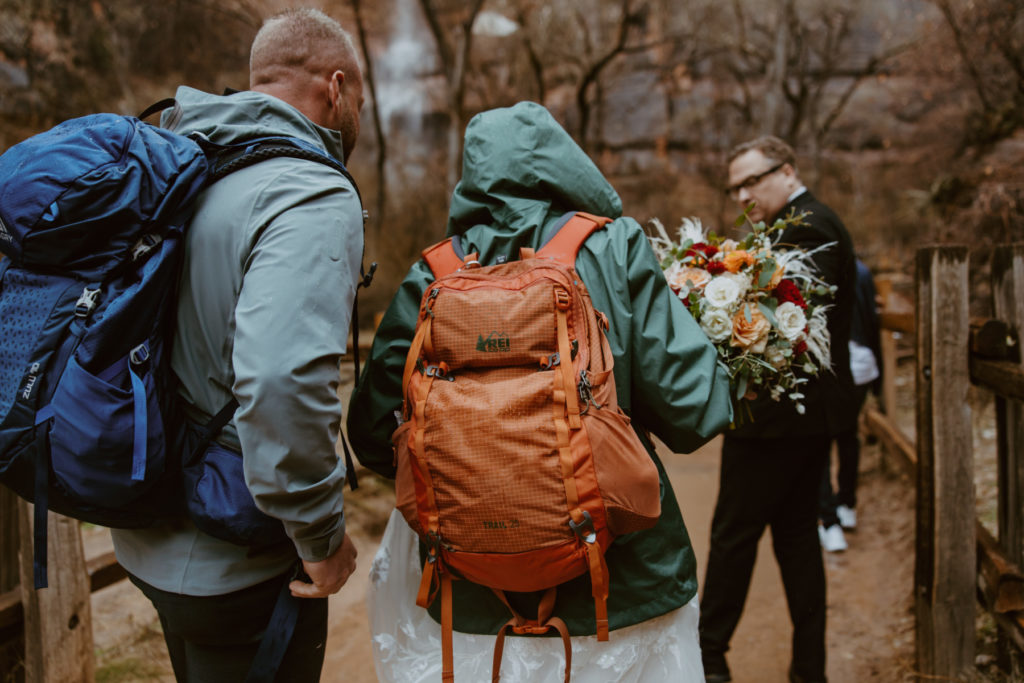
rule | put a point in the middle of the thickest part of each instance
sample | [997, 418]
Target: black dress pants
[213, 639]
[776, 483]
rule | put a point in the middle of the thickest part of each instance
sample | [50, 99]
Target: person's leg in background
[830, 531]
[848, 446]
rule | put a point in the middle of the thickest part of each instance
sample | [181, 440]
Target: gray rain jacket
[271, 266]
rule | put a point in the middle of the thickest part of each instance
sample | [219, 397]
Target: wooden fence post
[1008, 306]
[12, 641]
[58, 619]
[945, 563]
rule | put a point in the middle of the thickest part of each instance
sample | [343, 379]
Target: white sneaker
[832, 538]
[847, 517]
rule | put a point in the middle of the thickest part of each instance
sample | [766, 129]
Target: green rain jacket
[521, 173]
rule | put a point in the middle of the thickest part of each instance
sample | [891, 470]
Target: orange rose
[697, 277]
[777, 277]
[735, 260]
[752, 333]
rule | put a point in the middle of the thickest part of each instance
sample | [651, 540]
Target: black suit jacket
[830, 399]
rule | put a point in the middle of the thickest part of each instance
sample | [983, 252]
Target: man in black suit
[772, 465]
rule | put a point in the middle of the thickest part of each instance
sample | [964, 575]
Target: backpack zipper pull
[585, 389]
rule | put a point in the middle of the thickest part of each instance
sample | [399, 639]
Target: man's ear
[334, 88]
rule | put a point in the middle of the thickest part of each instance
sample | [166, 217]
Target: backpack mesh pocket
[25, 309]
[107, 437]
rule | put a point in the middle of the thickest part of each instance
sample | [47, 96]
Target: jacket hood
[245, 115]
[521, 169]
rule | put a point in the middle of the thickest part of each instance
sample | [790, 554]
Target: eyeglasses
[750, 182]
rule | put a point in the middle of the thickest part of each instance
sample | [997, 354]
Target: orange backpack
[516, 466]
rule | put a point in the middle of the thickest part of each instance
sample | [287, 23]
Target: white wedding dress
[407, 641]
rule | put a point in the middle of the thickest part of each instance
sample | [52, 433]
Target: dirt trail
[870, 623]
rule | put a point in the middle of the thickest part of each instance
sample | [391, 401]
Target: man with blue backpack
[271, 267]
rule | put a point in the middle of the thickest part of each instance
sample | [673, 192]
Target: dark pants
[848, 451]
[213, 639]
[767, 482]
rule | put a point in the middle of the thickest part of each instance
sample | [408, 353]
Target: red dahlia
[787, 291]
[708, 250]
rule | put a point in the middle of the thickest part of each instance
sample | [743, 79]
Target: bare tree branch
[375, 109]
[454, 56]
[961, 45]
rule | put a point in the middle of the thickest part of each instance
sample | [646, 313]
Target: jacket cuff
[316, 547]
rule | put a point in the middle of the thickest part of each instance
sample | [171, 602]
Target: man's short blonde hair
[773, 148]
[299, 39]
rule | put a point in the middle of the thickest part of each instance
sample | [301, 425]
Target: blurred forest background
[907, 115]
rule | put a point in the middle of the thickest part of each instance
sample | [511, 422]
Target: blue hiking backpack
[93, 214]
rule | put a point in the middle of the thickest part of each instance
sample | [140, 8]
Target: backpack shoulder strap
[566, 243]
[446, 257]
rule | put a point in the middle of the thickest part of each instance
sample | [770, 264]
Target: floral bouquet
[761, 304]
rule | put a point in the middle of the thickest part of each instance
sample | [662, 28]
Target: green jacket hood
[245, 115]
[521, 170]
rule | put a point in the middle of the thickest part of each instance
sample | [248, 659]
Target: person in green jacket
[522, 174]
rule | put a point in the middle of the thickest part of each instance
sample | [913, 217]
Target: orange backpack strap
[566, 243]
[519, 624]
[443, 259]
[447, 654]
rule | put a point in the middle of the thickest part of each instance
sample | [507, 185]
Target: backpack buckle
[433, 543]
[584, 530]
[139, 355]
[86, 302]
[145, 245]
[439, 372]
[561, 299]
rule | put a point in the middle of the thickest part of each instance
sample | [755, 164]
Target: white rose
[717, 324]
[790, 321]
[742, 281]
[722, 292]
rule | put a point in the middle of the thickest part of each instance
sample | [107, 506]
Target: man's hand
[328, 576]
